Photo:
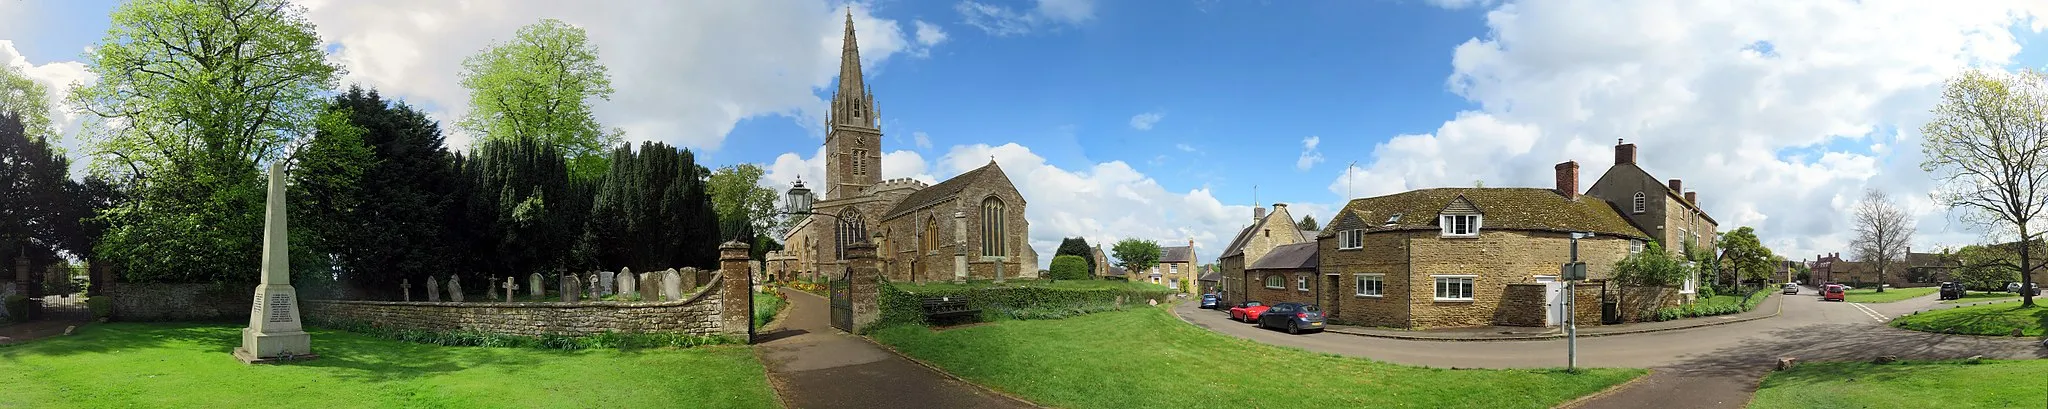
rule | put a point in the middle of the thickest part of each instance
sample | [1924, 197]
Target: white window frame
[1471, 287]
[1642, 203]
[1635, 246]
[1301, 283]
[1351, 239]
[1449, 227]
[1173, 269]
[1692, 281]
[1379, 287]
[1270, 281]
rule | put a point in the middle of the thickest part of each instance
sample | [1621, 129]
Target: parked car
[2034, 289]
[1210, 301]
[1791, 288]
[1834, 292]
[1247, 311]
[1952, 291]
[1295, 317]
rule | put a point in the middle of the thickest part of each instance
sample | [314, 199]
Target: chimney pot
[1568, 180]
[1677, 186]
[1692, 197]
[1624, 153]
[1278, 206]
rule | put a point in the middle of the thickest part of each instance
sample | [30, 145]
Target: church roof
[946, 190]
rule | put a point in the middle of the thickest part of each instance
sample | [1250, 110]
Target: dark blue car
[1293, 317]
[1210, 301]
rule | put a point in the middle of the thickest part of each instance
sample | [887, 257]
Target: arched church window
[992, 227]
[929, 240]
[851, 230]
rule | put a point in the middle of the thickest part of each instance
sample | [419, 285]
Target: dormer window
[1642, 203]
[1351, 239]
[1460, 225]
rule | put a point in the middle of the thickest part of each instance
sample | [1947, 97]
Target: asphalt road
[1707, 367]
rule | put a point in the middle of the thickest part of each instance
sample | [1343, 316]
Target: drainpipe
[1408, 252]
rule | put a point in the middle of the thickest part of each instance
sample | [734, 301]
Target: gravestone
[606, 280]
[405, 286]
[274, 332]
[595, 290]
[571, 288]
[628, 286]
[433, 289]
[491, 292]
[537, 286]
[689, 278]
[455, 288]
[650, 286]
[511, 286]
[671, 285]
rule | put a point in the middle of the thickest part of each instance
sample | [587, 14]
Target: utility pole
[1573, 272]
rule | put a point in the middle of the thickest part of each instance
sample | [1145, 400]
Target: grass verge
[1982, 296]
[1941, 384]
[189, 366]
[766, 305]
[1870, 295]
[1055, 284]
[1157, 361]
[1990, 319]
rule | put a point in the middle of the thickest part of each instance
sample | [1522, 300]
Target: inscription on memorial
[281, 308]
[258, 306]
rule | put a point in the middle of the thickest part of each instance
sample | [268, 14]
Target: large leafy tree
[1988, 146]
[28, 101]
[1136, 255]
[38, 215]
[539, 87]
[1742, 251]
[1883, 233]
[654, 211]
[192, 96]
[1308, 222]
[373, 187]
[741, 201]
[1989, 267]
[1077, 247]
[521, 212]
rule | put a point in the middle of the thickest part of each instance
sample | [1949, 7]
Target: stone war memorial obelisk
[274, 333]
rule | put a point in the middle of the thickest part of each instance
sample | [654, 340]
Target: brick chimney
[1568, 179]
[1258, 213]
[1677, 186]
[1692, 197]
[1624, 153]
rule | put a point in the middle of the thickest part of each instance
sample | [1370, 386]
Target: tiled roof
[1245, 237]
[1116, 271]
[1290, 256]
[1674, 195]
[1177, 254]
[1503, 208]
[944, 190]
[1211, 276]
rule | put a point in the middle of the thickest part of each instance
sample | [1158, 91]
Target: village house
[1176, 268]
[1252, 243]
[1916, 270]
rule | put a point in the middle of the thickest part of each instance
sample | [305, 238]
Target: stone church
[969, 227]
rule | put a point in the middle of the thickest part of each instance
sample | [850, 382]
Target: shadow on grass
[1845, 342]
[364, 358]
[1992, 320]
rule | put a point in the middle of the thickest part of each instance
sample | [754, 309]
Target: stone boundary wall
[1640, 304]
[1522, 305]
[178, 302]
[699, 314]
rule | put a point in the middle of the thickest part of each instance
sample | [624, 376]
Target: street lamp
[1572, 273]
[799, 201]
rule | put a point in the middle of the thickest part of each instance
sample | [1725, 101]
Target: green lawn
[1145, 358]
[189, 366]
[765, 307]
[1948, 384]
[1870, 295]
[1065, 284]
[1990, 319]
[1975, 296]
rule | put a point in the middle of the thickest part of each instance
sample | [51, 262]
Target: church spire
[853, 105]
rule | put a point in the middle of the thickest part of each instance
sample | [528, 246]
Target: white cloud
[1144, 121]
[1309, 155]
[686, 72]
[1459, 4]
[929, 34]
[923, 141]
[56, 78]
[1184, 147]
[906, 164]
[1003, 21]
[1751, 131]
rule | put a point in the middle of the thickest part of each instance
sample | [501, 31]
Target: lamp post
[1572, 273]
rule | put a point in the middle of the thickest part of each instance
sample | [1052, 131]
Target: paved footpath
[813, 365]
[1708, 367]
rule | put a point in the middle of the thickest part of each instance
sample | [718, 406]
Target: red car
[1833, 292]
[1247, 312]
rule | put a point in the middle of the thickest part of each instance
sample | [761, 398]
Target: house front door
[1553, 300]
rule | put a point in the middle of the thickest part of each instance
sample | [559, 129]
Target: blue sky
[1237, 86]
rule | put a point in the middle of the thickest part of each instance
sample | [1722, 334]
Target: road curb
[1617, 388]
[1781, 310]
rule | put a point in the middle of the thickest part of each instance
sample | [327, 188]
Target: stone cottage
[1176, 268]
[1252, 243]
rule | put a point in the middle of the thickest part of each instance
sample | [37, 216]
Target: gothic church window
[860, 161]
[929, 240]
[851, 230]
[992, 227]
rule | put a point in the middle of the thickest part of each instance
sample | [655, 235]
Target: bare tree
[1883, 231]
[1988, 145]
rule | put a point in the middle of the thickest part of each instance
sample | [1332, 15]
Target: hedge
[1019, 303]
[1702, 309]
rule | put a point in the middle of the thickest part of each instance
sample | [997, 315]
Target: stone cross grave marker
[650, 286]
[455, 288]
[671, 285]
[596, 289]
[491, 292]
[433, 289]
[627, 285]
[571, 287]
[608, 279]
[405, 286]
[537, 286]
[510, 286]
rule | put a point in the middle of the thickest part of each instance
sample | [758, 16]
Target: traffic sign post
[1572, 273]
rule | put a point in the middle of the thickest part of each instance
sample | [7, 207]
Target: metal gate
[842, 301]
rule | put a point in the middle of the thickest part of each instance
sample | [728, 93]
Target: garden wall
[701, 313]
[1640, 304]
[1522, 305]
[177, 302]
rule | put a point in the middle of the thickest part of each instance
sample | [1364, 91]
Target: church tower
[853, 139]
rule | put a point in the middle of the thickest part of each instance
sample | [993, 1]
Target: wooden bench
[937, 308]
